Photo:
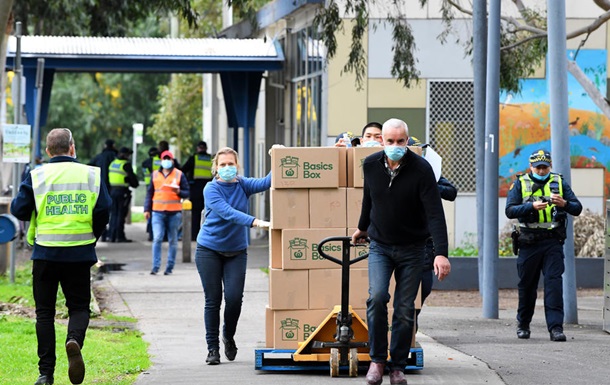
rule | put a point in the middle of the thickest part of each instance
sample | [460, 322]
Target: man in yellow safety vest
[68, 204]
[198, 170]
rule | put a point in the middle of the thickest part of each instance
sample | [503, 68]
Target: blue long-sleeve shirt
[227, 221]
[24, 204]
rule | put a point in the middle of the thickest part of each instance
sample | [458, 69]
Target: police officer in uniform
[69, 206]
[198, 169]
[541, 200]
[121, 177]
[148, 166]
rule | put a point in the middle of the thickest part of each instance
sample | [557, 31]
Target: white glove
[275, 146]
[262, 224]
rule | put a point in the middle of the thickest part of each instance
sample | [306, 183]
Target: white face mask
[167, 164]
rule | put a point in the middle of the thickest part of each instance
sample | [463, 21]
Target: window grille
[450, 117]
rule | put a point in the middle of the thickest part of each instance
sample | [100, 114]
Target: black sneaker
[557, 335]
[76, 365]
[154, 272]
[230, 348]
[213, 357]
[523, 332]
[44, 379]
[167, 272]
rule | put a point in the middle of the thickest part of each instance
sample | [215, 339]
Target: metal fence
[450, 122]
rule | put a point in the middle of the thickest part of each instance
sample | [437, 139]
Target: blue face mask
[167, 164]
[539, 178]
[227, 173]
[395, 153]
[371, 143]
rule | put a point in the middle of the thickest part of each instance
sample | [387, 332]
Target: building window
[451, 130]
[307, 70]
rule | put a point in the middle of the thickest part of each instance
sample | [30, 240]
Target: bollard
[187, 206]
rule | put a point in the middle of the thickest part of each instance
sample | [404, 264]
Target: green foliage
[521, 61]
[94, 17]
[179, 117]
[100, 106]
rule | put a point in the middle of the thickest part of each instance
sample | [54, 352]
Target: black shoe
[213, 357]
[124, 240]
[43, 379]
[154, 272]
[76, 365]
[167, 272]
[230, 348]
[523, 333]
[557, 334]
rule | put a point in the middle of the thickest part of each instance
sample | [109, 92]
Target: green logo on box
[290, 167]
[290, 329]
[298, 249]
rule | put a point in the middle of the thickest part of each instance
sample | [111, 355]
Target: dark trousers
[427, 275]
[74, 279]
[544, 256]
[118, 211]
[196, 197]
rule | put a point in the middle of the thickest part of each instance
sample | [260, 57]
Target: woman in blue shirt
[222, 244]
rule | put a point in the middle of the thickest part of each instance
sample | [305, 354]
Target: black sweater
[406, 211]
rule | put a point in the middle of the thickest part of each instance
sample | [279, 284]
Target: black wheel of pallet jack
[334, 362]
[353, 362]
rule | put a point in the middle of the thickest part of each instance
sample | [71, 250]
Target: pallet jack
[341, 339]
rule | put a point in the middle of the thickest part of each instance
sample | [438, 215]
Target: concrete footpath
[460, 346]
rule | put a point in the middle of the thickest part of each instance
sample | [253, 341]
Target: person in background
[541, 200]
[401, 206]
[222, 245]
[163, 203]
[103, 160]
[448, 192]
[153, 162]
[198, 170]
[164, 146]
[347, 139]
[121, 176]
[69, 206]
[371, 135]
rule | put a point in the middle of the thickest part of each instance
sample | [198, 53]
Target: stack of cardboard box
[316, 193]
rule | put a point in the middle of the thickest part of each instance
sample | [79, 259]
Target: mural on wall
[525, 122]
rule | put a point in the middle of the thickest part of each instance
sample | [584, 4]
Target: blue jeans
[216, 271]
[162, 222]
[406, 262]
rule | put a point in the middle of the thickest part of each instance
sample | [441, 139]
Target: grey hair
[395, 123]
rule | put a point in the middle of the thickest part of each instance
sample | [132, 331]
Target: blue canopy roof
[240, 62]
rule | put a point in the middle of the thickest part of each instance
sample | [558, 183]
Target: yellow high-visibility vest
[65, 194]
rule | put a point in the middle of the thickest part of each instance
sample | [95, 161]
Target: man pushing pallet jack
[401, 208]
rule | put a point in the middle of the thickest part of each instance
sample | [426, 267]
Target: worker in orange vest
[164, 204]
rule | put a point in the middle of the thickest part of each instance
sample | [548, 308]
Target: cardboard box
[355, 159]
[325, 287]
[288, 289]
[342, 166]
[275, 249]
[268, 327]
[305, 167]
[293, 326]
[327, 208]
[289, 208]
[354, 206]
[300, 248]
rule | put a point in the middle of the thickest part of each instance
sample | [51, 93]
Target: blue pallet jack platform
[280, 360]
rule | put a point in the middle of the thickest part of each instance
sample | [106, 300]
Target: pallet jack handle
[345, 262]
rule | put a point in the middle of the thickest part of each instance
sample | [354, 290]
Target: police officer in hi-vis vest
[68, 205]
[153, 162]
[541, 200]
[198, 170]
[121, 177]
[163, 204]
